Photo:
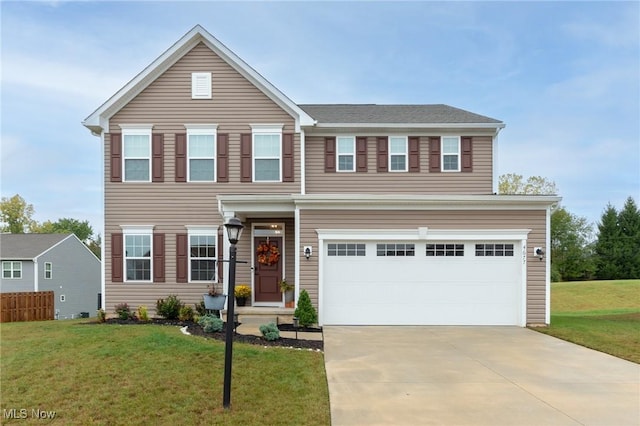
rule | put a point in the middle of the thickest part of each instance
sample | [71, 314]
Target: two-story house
[52, 262]
[385, 214]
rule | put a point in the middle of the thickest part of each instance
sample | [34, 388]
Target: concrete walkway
[474, 376]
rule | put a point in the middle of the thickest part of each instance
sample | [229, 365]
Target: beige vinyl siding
[358, 219]
[479, 181]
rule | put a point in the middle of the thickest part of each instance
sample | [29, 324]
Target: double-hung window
[12, 270]
[267, 153]
[48, 270]
[346, 157]
[138, 253]
[201, 151]
[451, 153]
[136, 150]
[202, 254]
[398, 152]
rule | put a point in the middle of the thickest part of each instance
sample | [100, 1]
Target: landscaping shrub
[186, 313]
[210, 323]
[124, 312]
[169, 308]
[200, 309]
[102, 315]
[143, 313]
[270, 331]
[305, 311]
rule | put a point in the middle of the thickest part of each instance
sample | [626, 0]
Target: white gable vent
[201, 85]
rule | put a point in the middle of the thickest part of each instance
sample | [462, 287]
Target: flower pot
[241, 301]
[215, 303]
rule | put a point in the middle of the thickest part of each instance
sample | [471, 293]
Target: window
[445, 249]
[138, 255]
[451, 153]
[202, 257]
[346, 153]
[398, 154]
[396, 250]
[137, 153]
[346, 249]
[201, 151]
[12, 270]
[487, 250]
[201, 85]
[48, 270]
[267, 151]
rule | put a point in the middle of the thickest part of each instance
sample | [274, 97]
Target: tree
[571, 253]
[618, 244]
[15, 215]
[82, 230]
[606, 246]
[512, 183]
[629, 223]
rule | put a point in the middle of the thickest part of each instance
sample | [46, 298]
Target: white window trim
[136, 230]
[266, 129]
[442, 154]
[50, 265]
[136, 129]
[198, 91]
[352, 154]
[405, 153]
[11, 268]
[193, 230]
[202, 129]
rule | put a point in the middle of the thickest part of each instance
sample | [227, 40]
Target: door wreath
[268, 254]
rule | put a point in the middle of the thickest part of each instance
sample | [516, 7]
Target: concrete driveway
[474, 376]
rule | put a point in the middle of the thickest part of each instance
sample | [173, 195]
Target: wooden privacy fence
[27, 306]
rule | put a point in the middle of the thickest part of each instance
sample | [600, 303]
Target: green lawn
[152, 374]
[602, 315]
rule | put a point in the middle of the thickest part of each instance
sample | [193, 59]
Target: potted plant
[287, 290]
[214, 300]
[242, 293]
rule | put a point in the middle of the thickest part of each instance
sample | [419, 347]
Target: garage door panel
[420, 289]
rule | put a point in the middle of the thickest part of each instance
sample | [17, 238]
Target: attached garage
[429, 277]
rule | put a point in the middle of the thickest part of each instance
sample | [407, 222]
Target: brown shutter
[383, 154]
[116, 157]
[287, 157]
[158, 258]
[329, 155]
[361, 154]
[246, 169]
[182, 258]
[220, 255]
[157, 157]
[467, 155]
[414, 154]
[116, 258]
[223, 158]
[181, 157]
[434, 154]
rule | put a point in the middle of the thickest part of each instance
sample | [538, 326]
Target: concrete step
[257, 319]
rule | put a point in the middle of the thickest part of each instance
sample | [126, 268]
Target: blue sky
[563, 76]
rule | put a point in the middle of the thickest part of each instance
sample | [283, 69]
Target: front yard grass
[602, 315]
[152, 374]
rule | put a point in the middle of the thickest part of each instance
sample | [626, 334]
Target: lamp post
[234, 230]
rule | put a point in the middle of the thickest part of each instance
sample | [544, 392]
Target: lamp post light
[234, 231]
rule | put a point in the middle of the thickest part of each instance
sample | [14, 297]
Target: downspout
[495, 161]
[547, 273]
[303, 164]
[36, 284]
[103, 279]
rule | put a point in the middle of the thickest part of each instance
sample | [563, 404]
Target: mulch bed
[196, 330]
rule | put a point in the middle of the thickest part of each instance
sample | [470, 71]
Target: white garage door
[421, 283]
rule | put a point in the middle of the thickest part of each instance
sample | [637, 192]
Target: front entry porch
[262, 315]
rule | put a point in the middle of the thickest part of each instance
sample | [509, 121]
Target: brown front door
[268, 269]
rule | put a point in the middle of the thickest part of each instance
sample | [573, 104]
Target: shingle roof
[27, 246]
[409, 114]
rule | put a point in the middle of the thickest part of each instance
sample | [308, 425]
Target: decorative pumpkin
[268, 254]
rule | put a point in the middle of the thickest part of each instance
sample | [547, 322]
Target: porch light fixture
[234, 231]
[307, 252]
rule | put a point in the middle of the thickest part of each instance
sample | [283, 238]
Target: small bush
[186, 313]
[124, 312]
[169, 308]
[200, 309]
[270, 331]
[210, 323]
[102, 315]
[305, 311]
[242, 290]
[143, 313]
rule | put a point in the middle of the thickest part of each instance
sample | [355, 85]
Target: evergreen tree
[629, 225]
[607, 246]
[305, 311]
